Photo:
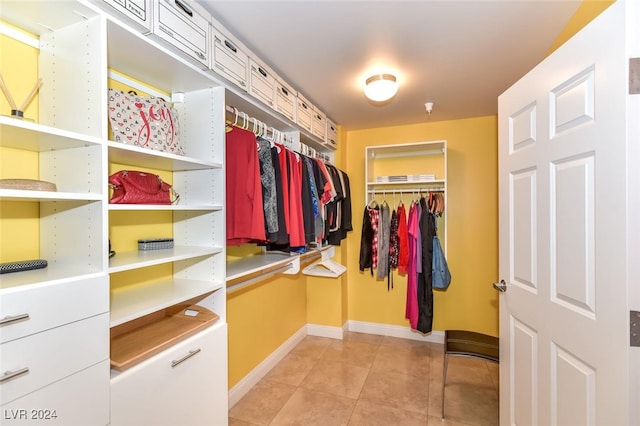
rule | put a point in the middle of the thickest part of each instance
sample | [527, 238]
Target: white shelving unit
[407, 160]
[68, 316]
[70, 345]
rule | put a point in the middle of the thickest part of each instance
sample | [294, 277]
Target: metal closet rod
[405, 190]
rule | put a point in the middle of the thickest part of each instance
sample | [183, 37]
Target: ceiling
[460, 55]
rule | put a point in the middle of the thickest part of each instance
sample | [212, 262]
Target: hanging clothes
[374, 216]
[245, 216]
[282, 236]
[269, 196]
[412, 310]
[393, 248]
[296, 208]
[403, 240]
[310, 206]
[282, 155]
[383, 241]
[338, 216]
[366, 242]
[425, 289]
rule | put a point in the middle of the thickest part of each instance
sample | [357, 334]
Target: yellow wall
[588, 10]
[19, 221]
[261, 318]
[472, 221]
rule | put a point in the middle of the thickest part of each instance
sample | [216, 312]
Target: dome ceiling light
[381, 87]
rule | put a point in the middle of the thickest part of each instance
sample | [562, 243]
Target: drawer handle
[231, 46]
[285, 91]
[200, 55]
[191, 353]
[304, 105]
[263, 72]
[9, 319]
[184, 8]
[8, 375]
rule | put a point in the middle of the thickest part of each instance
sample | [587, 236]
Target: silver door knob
[501, 286]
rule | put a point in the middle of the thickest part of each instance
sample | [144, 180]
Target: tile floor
[370, 380]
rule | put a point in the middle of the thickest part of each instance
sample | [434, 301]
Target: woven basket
[28, 184]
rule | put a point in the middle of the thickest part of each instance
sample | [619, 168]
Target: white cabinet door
[32, 362]
[180, 386]
[30, 309]
[80, 399]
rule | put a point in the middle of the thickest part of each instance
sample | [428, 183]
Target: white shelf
[413, 182]
[246, 266]
[145, 59]
[126, 261]
[406, 150]
[160, 207]
[252, 268]
[144, 157]
[27, 195]
[51, 275]
[23, 134]
[136, 301]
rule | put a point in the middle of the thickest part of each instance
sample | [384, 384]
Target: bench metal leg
[444, 379]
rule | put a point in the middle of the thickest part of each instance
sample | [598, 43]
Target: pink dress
[412, 312]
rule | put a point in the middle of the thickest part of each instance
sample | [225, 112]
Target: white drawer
[183, 24]
[229, 60]
[80, 399]
[332, 134]
[319, 126]
[286, 101]
[52, 355]
[137, 10]
[30, 309]
[262, 83]
[304, 113]
[193, 392]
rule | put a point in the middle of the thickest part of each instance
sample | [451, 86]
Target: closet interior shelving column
[407, 169]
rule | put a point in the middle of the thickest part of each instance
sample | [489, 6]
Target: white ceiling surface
[460, 55]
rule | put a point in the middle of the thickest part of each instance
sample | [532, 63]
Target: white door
[564, 317]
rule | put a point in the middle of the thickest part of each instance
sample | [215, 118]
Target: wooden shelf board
[133, 342]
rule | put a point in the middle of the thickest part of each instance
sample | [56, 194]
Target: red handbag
[135, 187]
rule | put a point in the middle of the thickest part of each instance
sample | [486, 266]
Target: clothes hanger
[372, 203]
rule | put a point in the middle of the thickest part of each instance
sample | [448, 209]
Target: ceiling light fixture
[381, 87]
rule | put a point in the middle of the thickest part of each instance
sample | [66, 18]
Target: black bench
[470, 344]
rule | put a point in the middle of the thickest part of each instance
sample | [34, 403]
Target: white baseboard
[394, 331]
[325, 331]
[243, 386]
